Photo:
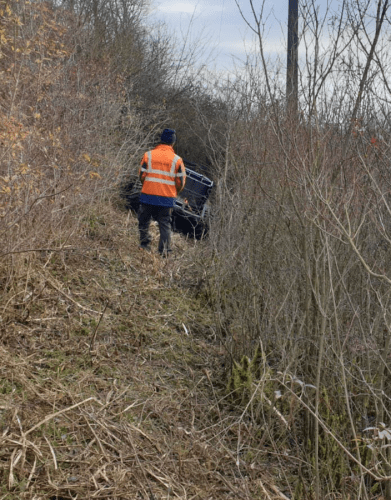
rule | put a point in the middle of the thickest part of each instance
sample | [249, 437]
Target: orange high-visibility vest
[162, 172]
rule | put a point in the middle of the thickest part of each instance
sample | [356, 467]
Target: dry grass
[110, 379]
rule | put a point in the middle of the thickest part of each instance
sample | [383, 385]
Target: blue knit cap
[168, 136]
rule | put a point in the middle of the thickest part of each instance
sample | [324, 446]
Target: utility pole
[292, 75]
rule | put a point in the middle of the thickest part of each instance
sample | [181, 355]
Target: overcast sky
[221, 28]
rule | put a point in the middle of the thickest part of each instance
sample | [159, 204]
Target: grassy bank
[111, 380]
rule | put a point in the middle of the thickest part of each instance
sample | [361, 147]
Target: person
[163, 176]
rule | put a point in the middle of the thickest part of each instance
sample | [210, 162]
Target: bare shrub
[299, 268]
[60, 147]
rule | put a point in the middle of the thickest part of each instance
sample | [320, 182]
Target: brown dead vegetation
[110, 373]
[109, 380]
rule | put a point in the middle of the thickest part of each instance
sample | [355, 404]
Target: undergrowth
[111, 379]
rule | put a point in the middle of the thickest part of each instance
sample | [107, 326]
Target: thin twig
[52, 415]
[52, 452]
[97, 326]
[68, 297]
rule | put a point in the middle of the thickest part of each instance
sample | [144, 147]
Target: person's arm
[180, 177]
[142, 173]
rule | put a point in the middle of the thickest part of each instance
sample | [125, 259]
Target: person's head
[168, 137]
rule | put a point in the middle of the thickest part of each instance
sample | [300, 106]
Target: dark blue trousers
[162, 215]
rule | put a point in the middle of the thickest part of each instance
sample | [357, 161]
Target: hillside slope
[110, 379]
